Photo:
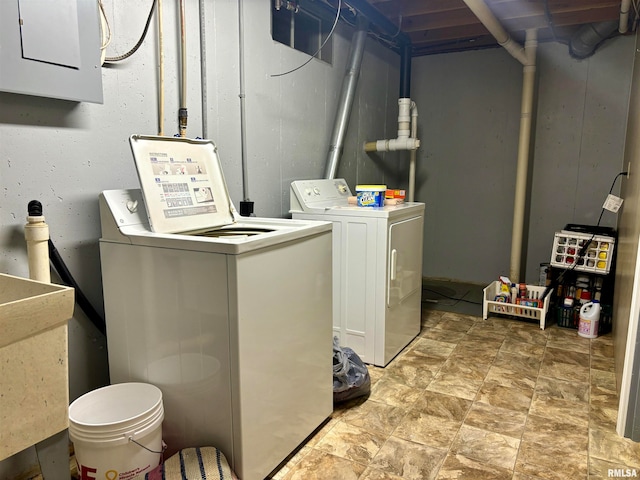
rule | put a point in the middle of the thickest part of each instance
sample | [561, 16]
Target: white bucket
[117, 431]
[589, 319]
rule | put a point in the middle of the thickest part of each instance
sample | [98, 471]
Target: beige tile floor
[473, 399]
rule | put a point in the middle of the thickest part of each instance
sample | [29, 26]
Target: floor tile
[512, 345]
[410, 370]
[509, 378]
[519, 363]
[487, 447]
[518, 399]
[562, 389]
[464, 369]
[317, 465]
[428, 430]
[601, 349]
[608, 445]
[550, 463]
[446, 336]
[351, 443]
[550, 432]
[459, 467]
[375, 474]
[432, 348]
[408, 460]
[496, 419]
[394, 393]
[375, 417]
[458, 386]
[536, 337]
[602, 469]
[442, 406]
[606, 364]
[559, 409]
[478, 399]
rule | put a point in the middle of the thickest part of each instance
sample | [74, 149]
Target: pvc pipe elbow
[396, 144]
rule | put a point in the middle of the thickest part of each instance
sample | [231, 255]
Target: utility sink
[34, 374]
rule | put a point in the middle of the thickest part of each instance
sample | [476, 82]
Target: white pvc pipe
[404, 140]
[160, 71]
[625, 5]
[527, 57]
[491, 23]
[524, 145]
[36, 233]
[413, 154]
[183, 53]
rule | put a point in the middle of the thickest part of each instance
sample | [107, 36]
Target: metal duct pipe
[346, 97]
[583, 43]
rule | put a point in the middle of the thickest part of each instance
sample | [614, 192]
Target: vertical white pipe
[413, 152]
[182, 113]
[624, 16]
[243, 114]
[203, 70]
[183, 54]
[36, 233]
[160, 71]
[524, 144]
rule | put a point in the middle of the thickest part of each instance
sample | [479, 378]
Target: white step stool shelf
[490, 306]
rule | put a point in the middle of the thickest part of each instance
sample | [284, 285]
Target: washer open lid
[182, 184]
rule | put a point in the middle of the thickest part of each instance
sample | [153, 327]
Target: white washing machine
[377, 267]
[229, 316]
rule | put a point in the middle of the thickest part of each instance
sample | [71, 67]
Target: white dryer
[229, 316]
[377, 267]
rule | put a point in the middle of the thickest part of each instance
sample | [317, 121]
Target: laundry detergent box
[370, 195]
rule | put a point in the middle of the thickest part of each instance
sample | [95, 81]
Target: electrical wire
[105, 28]
[461, 299]
[335, 22]
[137, 45]
[583, 251]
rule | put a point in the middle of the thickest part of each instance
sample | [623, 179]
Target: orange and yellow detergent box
[370, 195]
[394, 193]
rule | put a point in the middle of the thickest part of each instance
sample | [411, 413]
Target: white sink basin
[34, 375]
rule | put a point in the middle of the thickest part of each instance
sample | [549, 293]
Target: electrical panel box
[51, 49]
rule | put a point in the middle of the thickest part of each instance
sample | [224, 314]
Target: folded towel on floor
[206, 463]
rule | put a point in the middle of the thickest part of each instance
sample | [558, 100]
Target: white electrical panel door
[49, 31]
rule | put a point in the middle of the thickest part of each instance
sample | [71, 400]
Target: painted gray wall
[469, 124]
[64, 154]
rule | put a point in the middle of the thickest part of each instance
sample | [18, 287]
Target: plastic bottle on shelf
[514, 293]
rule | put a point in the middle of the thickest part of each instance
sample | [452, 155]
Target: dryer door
[404, 268]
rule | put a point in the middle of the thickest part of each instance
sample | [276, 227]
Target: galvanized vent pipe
[346, 97]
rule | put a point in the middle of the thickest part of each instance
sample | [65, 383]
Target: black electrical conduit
[81, 300]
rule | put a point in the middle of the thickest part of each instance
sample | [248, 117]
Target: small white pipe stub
[36, 233]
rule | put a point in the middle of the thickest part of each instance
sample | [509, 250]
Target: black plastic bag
[350, 375]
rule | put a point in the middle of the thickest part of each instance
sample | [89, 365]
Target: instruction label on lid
[182, 183]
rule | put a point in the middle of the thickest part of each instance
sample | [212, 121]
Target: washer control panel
[309, 195]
